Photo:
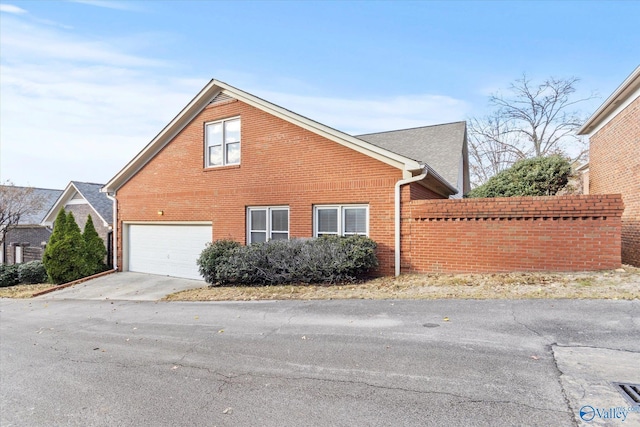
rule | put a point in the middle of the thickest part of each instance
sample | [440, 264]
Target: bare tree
[534, 120]
[487, 148]
[15, 203]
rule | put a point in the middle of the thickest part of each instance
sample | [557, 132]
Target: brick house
[25, 241]
[231, 165]
[85, 199]
[614, 158]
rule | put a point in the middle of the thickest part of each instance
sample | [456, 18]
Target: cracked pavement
[292, 363]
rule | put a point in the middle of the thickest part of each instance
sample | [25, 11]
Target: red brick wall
[418, 192]
[281, 164]
[563, 233]
[614, 167]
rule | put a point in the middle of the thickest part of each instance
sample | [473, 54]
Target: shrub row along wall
[559, 233]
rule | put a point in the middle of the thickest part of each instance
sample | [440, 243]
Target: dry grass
[23, 291]
[619, 284]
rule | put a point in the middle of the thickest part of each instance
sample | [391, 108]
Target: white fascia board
[49, 218]
[105, 222]
[210, 91]
[174, 127]
[349, 141]
[628, 91]
[613, 113]
[62, 201]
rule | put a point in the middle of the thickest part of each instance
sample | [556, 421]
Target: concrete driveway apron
[125, 286]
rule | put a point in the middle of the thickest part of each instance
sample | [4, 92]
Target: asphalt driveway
[125, 286]
[318, 363]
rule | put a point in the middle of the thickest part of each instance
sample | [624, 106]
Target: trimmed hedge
[9, 275]
[214, 255]
[32, 272]
[328, 259]
[29, 273]
[540, 176]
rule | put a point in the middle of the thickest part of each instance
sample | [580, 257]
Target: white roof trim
[624, 95]
[62, 201]
[209, 92]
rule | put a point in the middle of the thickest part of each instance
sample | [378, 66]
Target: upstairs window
[222, 143]
[341, 220]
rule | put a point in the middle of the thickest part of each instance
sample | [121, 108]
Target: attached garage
[165, 249]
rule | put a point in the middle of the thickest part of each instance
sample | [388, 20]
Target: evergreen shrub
[32, 272]
[540, 176]
[95, 251]
[64, 255]
[327, 259]
[213, 256]
[9, 275]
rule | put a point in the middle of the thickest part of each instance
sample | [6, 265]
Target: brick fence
[559, 233]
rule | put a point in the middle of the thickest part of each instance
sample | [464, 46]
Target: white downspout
[397, 214]
[114, 229]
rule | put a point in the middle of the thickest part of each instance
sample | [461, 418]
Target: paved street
[320, 363]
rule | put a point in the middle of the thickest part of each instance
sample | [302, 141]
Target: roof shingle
[439, 146]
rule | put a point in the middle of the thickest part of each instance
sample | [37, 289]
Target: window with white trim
[267, 223]
[222, 142]
[341, 220]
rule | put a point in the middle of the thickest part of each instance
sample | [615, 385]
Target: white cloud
[360, 116]
[119, 5]
[78, 109]
[9, 8]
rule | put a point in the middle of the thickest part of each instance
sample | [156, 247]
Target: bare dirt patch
[23, 291]
[623, 283]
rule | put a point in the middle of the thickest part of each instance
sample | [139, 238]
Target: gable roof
[215, 88]
[626, 93]
[48, 196]
[89, 191]
[440, 145]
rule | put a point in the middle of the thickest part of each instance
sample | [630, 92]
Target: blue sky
[86, 84]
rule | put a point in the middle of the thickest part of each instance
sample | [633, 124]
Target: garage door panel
[169, 250]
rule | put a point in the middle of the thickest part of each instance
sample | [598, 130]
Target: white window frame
[341, 219]
[269, 231]
[223, 147]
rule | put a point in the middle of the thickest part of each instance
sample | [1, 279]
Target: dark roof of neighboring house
[99, 201]
[88, 191]
[49, 197]
[439, 146]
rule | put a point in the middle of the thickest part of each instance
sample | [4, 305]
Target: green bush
[32, 272]
[212, 256]
[95, 252]
[327, 259]
[540, 176]
[64, 256]
[9, 275]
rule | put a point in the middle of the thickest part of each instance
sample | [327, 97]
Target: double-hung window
[267, 223]
[222, 143]
[341, 220]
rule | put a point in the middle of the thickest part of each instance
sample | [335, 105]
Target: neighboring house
[234, 166]
[614, 158]
[26, 241]
[583, 176]
[84, 199]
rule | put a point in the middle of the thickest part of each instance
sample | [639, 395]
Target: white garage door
[168, 250]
